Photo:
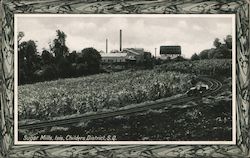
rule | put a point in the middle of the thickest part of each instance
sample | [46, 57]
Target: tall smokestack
[120, 40]
[106, 45]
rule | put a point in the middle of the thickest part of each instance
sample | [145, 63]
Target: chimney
[120, 40]
[106, 45]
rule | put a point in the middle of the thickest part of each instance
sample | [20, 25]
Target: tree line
[222, 50]
[57, 62]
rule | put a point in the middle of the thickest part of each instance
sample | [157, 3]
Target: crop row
[62, 97]
[204, 67]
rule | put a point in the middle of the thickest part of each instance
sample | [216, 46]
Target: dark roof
[135, 51]
[170, 49]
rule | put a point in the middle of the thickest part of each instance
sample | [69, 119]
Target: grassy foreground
[208, 119]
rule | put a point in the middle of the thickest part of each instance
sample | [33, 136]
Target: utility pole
[106, 45]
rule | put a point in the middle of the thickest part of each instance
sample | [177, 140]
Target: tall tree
[221, 50]
[72, 57]
[28, 60]
[20, 36]
[217, 42]
[228, 41]
[92, 59]
[59, 47]
[61, 36]
[47, 57]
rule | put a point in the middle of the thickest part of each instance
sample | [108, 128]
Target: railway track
[214, 87]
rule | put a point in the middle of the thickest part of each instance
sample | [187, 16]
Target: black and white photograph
[124, 79]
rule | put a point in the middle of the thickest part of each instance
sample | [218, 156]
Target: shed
[170, 52]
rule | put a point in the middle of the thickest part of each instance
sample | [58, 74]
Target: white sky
[193, 34]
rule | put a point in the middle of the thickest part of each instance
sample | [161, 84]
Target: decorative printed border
[240, 8]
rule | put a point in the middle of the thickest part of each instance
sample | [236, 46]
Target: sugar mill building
[170, 52]
[133, 55]
[126, 55]
[113, 57]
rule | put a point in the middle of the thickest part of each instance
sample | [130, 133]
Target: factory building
[134, 54]
[123, 55]
[170, 52]
[113, 57]
[126, 55]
